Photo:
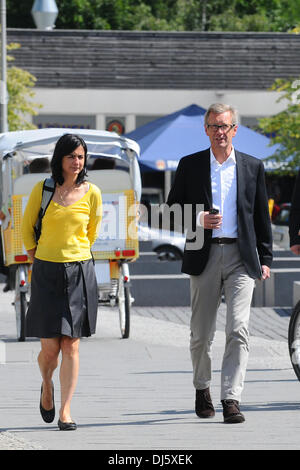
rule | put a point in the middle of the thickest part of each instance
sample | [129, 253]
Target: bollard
[2, 352]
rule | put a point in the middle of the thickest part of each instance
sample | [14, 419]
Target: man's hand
[295, 249]
[211, 221]
[266, 272]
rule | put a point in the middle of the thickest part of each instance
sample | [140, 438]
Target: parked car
[280, 227]
[168, 245]
[151, 205]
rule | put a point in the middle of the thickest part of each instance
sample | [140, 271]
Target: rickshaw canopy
[27, 145]
[42, 141]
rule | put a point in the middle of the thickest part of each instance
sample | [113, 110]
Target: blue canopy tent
[166, 140]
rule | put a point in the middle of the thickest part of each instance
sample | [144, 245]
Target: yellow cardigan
[67, 232]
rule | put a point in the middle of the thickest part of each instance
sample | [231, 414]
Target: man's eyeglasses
[222, 127]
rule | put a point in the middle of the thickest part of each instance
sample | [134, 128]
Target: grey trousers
[225, 273]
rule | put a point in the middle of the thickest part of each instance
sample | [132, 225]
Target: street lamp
[3, 87]
[44, 13]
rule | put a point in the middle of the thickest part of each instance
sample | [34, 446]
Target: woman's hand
[31, 254]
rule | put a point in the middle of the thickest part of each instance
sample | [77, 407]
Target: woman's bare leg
[68, 374]
[48, 361]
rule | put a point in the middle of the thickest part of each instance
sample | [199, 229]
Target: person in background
[64, 293]
[39, 165]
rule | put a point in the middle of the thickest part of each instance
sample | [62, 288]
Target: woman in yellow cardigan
[64, 295]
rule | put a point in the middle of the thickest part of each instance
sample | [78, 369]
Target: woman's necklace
[64, 193]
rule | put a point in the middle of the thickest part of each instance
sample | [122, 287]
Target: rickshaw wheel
[21, 326]
[20, 308]
[124, 307]
[294, 339]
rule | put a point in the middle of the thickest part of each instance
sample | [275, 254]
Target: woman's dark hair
[65, 145]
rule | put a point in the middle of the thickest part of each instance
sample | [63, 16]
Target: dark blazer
[192, 185]
[294, 222]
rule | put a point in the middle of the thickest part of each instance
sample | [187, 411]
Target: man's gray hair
[219, 108]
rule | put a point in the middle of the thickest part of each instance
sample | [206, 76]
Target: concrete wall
[130, 103]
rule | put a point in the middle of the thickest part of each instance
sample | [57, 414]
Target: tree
[231, 21]
[114, 14]
[19, 86]
[19, 14]
[257, 15]
[178, 15]
[284, 127]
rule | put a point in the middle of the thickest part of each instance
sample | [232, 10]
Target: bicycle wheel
[124, 307]
[294, 339]
[20, 306]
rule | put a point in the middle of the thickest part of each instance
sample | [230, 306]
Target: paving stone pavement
[137, 394]
[265, 322]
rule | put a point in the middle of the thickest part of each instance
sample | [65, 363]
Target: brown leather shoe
[203, 404]
[231, 412]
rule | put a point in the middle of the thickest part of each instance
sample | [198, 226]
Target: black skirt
[63, 301]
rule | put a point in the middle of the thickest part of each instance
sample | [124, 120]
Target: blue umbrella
[166, 140]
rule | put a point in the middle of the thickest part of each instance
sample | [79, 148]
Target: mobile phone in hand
[213, 211]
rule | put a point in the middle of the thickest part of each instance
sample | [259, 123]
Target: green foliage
[178, 15]
[112, 14]
[20, 85]
[19, 14]
[229, 21]
[257, 15]
[285, 126]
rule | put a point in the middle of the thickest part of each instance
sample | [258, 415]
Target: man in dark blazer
[236, 250]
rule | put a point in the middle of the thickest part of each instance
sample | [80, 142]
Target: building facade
[119, 80]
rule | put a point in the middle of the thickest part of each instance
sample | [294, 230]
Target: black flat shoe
[66, 426]
[47, 415]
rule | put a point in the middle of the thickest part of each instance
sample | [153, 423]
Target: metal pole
[168, 178]
[3, 89]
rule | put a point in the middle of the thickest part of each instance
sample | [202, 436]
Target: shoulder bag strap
[47, 194]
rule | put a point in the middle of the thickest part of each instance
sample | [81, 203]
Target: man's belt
[222, 241]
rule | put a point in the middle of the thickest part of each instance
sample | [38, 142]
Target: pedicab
[113, 167]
